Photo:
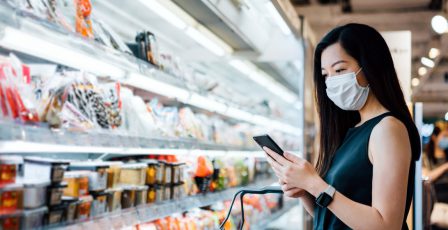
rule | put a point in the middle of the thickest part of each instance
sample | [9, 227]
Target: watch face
[324, 200]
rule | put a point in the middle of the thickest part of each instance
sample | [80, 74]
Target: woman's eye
[324, 75]
[340, 70]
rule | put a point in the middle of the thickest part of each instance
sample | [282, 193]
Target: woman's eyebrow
[337, 62]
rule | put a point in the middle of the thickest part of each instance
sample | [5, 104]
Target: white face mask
[345, 91]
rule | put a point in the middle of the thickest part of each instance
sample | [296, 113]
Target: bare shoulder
[390, 135]
[390, 126]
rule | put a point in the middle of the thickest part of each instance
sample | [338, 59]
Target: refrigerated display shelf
[146, 213]
[18, 138]
[25, 33]
[287, 206]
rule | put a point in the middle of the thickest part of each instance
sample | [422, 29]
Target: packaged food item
[84, 206]
[11, 198]
[55, 193]
[34, 193]
[151, 171]
[37, 168]
[78, 183]
[141, 195]
[177, 171]
[178, 191]
[70, 212]
[168, 179]
[160, 190]
[152, 192]
[128, 197]
[54, 215]
[33, 218]
[9, 166]
[203, 174]
[160, 174]
[133, 174]
[167, 192]
[99, 203]
[10, 221]
[83, 20]
[147, 47]
[98, 175]
[114, 199]
[113, 173]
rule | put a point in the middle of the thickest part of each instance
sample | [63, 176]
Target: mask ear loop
[356, 75]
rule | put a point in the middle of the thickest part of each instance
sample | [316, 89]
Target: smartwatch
[326, 197]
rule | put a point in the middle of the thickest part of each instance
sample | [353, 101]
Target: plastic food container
[160, 189]
[113, 173]
[34, 194]
[177, 171]
[160, 174]
[133, 174]
[98, 175]
[128, 197]
[151, 195]
[78, 183]
[70, 212]
[114, 199]
[55, 193]
[83, 208]
[151, 171]
[167, 192]
[11, 198]
[33, 218]
[9, 169]
[37, 168]
[99, 203]
[55, 215]
[10, 221]
[168, 173]
[141, 195]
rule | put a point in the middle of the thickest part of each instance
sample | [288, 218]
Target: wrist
[317, 186]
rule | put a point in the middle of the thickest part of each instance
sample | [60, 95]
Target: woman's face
[335, 61]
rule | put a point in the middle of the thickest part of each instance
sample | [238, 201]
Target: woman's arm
[391, 157]
[436, 173]
[308, 203]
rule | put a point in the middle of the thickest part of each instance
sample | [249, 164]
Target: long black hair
[431, 147]
[369, 49]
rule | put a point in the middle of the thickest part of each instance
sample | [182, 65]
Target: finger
[281, 182]
[281, 160]
[292, 157]
[273, 163]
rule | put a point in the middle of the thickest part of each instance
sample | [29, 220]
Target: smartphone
[266, 141]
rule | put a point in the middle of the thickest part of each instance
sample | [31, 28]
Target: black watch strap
[326, 197]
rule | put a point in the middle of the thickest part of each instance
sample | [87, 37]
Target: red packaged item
[83, 21]
[11, 198]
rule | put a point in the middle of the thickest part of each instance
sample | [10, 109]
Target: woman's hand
[296, 173]
[291, 191]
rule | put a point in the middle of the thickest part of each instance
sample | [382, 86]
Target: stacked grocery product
[78, 101]
[39, 191]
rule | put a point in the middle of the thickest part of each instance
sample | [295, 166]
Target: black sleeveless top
[351, 174]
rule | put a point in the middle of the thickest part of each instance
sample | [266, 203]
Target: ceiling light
[204, 41]
[433, 53]
[439, 24]
[427, 62]
[278, 18]
[415, 82]
[422, 71]
[263, 79]
[20, 41]
[163, 12]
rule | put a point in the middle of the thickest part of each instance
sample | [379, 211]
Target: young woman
[364, 177]
[435, 163]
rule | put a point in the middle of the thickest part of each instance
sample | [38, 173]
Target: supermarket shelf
[16, 138]
[27, 34]
[147, 213]
[287, 206]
